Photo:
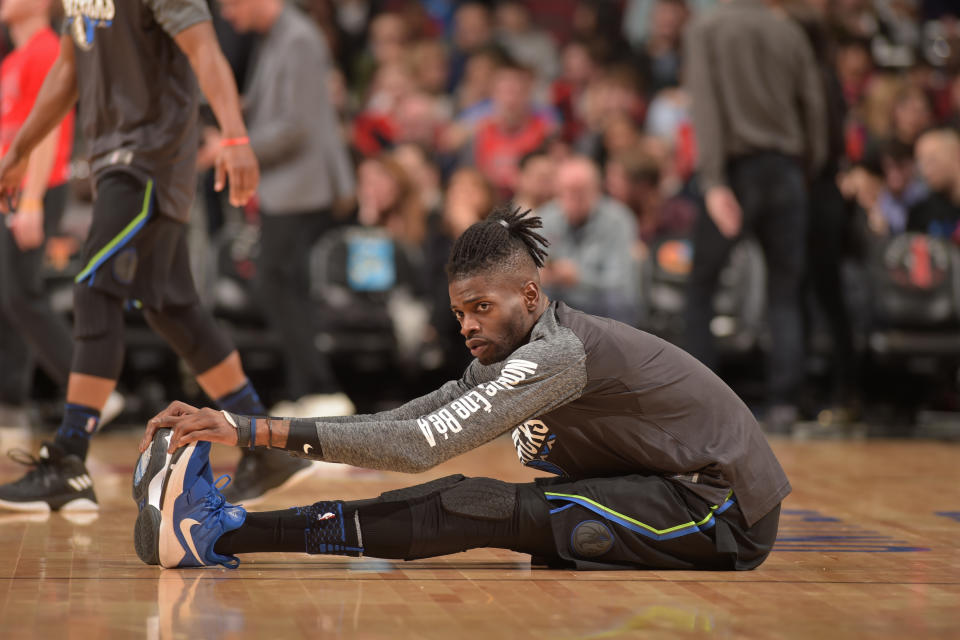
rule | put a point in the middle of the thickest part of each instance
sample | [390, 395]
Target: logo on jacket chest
[85, 16]
[534, 442]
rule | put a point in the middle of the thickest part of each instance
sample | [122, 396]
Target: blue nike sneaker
[193, 512]
[148, 480]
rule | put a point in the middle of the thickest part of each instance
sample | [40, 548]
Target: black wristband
[243, 429]
[302, 439]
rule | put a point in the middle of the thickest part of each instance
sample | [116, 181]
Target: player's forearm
[217, 84]
[40, 167]
[214, 76]
[57, 96]
[301, 437]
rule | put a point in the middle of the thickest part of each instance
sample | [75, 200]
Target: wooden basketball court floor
[868, 548]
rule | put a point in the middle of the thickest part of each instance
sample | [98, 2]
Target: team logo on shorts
[125, 265]
[591, 538]
[85, 16]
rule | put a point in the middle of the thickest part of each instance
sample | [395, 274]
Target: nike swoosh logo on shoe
[185, 530]
[307, 447]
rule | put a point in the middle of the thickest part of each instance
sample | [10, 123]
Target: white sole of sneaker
[172, 552]
[40, 506]
[37, 506]
[80, 504]
[290, 482]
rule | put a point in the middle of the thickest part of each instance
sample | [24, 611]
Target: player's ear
[531, 295]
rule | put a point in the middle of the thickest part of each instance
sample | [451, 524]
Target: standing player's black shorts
[652, 522]
[132, 252]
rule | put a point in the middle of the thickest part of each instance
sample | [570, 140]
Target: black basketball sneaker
[58, 481]
[148, 479]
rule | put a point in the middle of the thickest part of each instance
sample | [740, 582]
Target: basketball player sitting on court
[658, 463]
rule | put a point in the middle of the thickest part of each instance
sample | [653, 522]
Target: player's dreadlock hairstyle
[505, 240]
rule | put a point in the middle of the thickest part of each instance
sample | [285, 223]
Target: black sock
[265, 531]
[318, 528]
[243, 401]
[78, 426]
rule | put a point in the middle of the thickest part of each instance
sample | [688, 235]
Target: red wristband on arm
[234, 142]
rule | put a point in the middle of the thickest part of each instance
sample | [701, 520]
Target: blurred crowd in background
[580, 111]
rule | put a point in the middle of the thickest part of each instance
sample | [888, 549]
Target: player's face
[495, 315]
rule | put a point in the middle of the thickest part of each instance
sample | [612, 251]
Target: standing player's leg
[192, 332]
[122, 239]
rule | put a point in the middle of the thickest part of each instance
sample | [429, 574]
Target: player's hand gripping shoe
[58, 481]
[193, 513]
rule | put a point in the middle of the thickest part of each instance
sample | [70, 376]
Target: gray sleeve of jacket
[461, 416]
[300, 63]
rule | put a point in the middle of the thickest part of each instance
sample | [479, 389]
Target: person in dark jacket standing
[759, 119]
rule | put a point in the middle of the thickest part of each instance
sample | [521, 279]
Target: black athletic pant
[283, 295]
[602, 523]
[28, 324]
[771, 190]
